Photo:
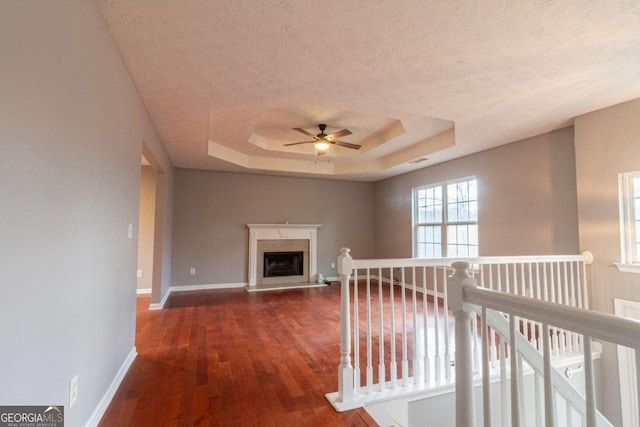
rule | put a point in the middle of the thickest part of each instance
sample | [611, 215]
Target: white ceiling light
[322, 146]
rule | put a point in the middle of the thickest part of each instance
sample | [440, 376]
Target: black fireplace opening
[278, 264]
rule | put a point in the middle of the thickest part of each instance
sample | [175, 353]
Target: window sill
[627, 268]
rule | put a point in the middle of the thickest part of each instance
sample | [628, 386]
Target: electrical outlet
[192, 271]
[73, 391]
[139, 274]
[130, 231]
[333, 265]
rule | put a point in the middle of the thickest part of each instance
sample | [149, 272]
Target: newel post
[465, 410]
[345, 370]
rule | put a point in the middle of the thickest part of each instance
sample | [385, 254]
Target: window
[629, 189]
[445, 219]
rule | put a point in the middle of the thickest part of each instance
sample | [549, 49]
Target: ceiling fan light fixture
[321, 146]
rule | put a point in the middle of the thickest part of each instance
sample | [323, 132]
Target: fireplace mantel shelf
[285, 225]
[282, 232]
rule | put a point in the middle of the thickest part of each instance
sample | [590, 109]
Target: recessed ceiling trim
[323, 165]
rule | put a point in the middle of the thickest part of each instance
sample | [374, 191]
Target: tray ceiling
[225, 81]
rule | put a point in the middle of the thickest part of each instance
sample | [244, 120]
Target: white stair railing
[396, 335]
[588, 324]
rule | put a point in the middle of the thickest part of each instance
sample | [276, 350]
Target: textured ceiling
[231, 78]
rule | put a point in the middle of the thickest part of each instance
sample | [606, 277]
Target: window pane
[462, 235]
[473, 251]
[452, 213]
[451, 236]
[473, 211]
[428, 241]
[473, 235]
[473, 190]
[452, 194]
[454, 205]
[636, 187]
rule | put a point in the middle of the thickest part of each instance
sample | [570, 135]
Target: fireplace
[279, 264]
[290, 248]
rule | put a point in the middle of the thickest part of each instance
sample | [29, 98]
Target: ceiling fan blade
[343, 132]
[298, 143]
[346, 144]
[305, 132]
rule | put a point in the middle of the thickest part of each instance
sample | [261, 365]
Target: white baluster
[504, 395]
[369, 369]
[436, 320]
[356, 334]
[425, 304]
[393, 366]
[585, 285]
[447, 344]
[573, 343]
[507, 279]
[416, 342]
[486, 375]
[381, 366]
[538, 398]
[465, 412]
[345, 370]
[405, 361]
[515, 372]
[549, 392]
[579, 272]
[494, 349]
[476, 349]
[589, 387]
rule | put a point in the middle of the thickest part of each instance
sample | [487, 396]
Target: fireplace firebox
[280, 264]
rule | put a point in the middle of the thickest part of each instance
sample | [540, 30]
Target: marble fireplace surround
[259, 232]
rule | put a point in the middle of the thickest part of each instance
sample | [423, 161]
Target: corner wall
[527, 199]
[71, 131]
[607, 143]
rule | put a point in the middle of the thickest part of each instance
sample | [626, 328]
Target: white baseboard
[144, 291]
[188, 288]
[111, 391]
[205, 287]
[160, 305]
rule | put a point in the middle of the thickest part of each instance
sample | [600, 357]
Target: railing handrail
[585, 257]
[419, 288]
[592, 323]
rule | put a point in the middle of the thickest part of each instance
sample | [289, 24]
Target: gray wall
[607, 143]
[71, 131]
[527, 199]
[212, 210]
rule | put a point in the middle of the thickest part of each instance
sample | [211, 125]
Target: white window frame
[630, 261]
[444, 220]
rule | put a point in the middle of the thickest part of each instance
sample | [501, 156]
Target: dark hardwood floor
[232, 358]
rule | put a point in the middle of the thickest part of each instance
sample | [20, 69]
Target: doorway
[151, 228]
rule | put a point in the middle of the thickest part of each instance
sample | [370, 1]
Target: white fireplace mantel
[282, 232]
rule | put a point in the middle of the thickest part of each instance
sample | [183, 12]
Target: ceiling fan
[322, 141]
